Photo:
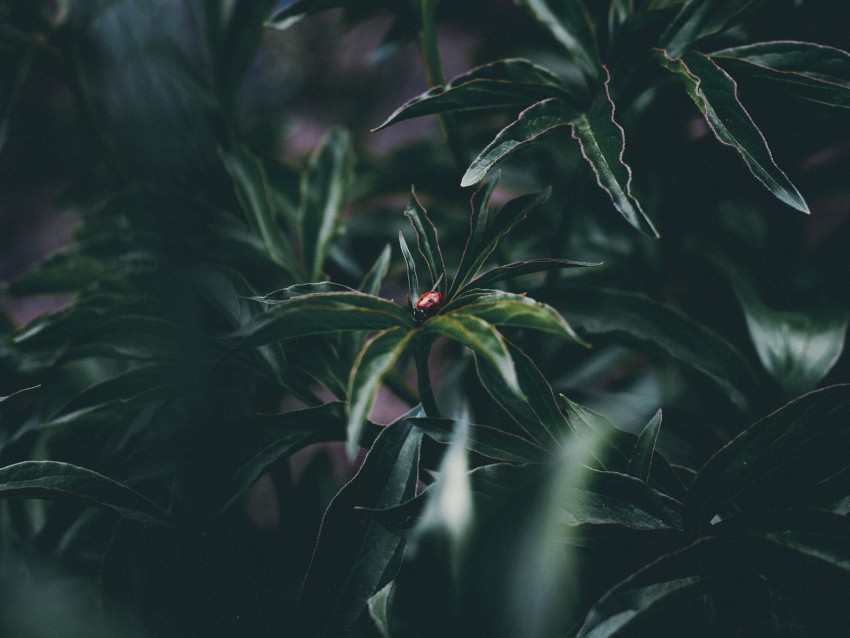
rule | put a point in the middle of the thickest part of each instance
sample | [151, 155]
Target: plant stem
[429, 51]
[422, 349]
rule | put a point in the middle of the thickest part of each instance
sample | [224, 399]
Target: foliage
[608, 428]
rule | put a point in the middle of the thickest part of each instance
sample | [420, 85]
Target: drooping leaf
[715, 94]
[323, 197]
[426, 238]
[571, 26]
[698, 19]
[808, 71]
[483, 339]
[285, 294]
[484, 440]
[519, 268]
[602, 144]
[537, 120]
[510, 83]
[410, 265]
[640, 462]
[356, 557]
[376, 358]
[798, 349]
[786, 457]
[656, 328]
[509, 309]
[53, 480]
[321, 313]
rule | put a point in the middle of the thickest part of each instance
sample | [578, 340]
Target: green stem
[422, 349]
[429, 51]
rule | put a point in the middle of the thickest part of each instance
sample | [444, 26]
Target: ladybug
[428, 305]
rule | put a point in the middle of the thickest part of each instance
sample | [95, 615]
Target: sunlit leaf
[53, 480]
[602, 144]
[356, 557]
[377, 357]
[715, 94]
[532, 123]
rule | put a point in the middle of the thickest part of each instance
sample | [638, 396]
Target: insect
[428, 305]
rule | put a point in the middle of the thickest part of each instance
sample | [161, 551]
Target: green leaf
[296, 11]
[298, 290]
[698, 19]
[787, 456]
[519, 268]
[372, 280]
[323, 198]
[426, 238]
[535, 409]
[798, 349]
[322, 313]
[715, 94]
[569, 23]
[377, 357]
[809, 71]
[508, 309]
[602, 144]
[356, 557]
[534, 122]
[410, 265]
[482, 242]
[483, 440]
[657, 328]
[378, 605]
[53, 480]
[510, 83]
[483, 339]
[255, 196]
[478, 221]
[640, 462]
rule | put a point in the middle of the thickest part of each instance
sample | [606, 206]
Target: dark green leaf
[483, 339]
[372, 280]
[808, 71]
[296, 11]
[602, 144]
[715, 94]
[788, 455]
[52, 480]
[484, 440]
[285, 294]
[322, 198]
[508, 309]
[377, 357]
[660, 329]
[519, 268]
[698, 19]
[534, 122]
[355, 557]
[640, 462]
[478, 221]
[511, 83]
[410, 265]
[569, 23]
[426, 239]
[322, 313]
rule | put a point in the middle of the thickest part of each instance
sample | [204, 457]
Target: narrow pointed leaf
[509, 309]
[519, 268]
[534, 122]
[372, 280]
[483, 339]
[376, 358]
[484, 440]
[715, 94]
[787, 455]
[322, 313]
[355, 557]
[410, 265]
[478, 220]
[602, 144]
[426, 238]
[658, 329]
[296, 11]
[323, 197]
[698, 19]
[255, 196]
[52, 480]
[808, 71]
[640, 462]
[568, 22]
[298, 290]
[511, 83]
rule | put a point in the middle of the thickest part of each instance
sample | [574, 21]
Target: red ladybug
[427, 305]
